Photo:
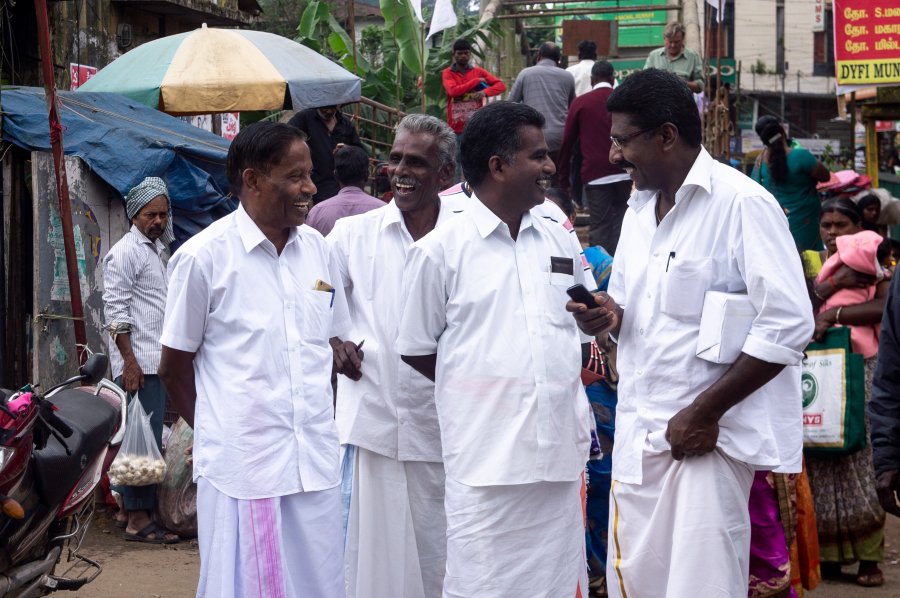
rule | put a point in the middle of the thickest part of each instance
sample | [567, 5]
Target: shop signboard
[625, 67]
[867, 42]
[80, 73]
[639, 29]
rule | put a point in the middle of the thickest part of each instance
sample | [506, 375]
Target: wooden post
[62, 183]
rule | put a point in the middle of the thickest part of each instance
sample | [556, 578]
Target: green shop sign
[626, 67]
[636, 29]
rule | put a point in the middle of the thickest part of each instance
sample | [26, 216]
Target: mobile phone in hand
[580, 294]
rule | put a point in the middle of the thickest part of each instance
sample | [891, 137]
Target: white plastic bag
[139, 462]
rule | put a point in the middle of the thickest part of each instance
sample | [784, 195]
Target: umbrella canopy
[226, 70]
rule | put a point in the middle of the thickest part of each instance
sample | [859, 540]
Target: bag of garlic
[139, 462]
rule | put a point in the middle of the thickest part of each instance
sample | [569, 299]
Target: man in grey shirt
[549, 90]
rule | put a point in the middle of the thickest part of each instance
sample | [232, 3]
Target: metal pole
[62, 183]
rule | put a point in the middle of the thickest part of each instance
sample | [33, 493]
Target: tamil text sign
[867, 42]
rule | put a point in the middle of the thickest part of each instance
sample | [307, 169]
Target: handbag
[834, 396]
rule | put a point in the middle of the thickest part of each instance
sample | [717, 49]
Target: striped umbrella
[226, 70]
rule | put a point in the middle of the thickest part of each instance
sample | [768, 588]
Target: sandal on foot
[159, 535]
[872, 579]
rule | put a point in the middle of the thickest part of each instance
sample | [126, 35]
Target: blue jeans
[153, 400]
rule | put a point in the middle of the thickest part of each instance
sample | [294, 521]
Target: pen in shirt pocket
[671, 257]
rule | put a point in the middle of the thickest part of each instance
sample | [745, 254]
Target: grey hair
[673, 29]
[425, 123]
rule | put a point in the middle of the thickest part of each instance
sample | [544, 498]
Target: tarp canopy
[123, 141]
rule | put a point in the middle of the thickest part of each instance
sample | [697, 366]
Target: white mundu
[396, 528]
[513, 414]
[681, 528]
[266, 448]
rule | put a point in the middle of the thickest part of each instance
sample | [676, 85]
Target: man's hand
[593, 322]
[347, 358]
[887, 485]
[692, 433]
[132, 376]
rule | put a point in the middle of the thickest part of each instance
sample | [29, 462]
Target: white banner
[417, 8]
[719, 5]
[444, 17]
[818, 15]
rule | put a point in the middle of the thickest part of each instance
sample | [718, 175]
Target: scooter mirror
[94, 369]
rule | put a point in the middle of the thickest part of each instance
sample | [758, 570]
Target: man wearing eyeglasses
[691, 433]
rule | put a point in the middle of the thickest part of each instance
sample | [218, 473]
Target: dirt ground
[132, 570]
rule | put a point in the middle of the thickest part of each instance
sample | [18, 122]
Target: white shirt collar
[700, 175]
[157, 245]
[250, 233]
[487, 222]
[601, 85]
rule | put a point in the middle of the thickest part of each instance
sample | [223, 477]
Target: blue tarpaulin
[123, 141]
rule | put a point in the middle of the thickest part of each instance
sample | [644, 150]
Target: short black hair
[351, 165]
[461, 44]
[587, 50]
[603, 71]
[549, 50]
[653, 97]
[259, 146]
[842, 205]
[494, 130]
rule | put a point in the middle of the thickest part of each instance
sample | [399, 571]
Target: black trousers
[606, 205]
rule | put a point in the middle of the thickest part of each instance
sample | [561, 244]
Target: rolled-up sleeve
[119, 273]
[884, 408]
[770, 265]
[187, 303]
[424, 312]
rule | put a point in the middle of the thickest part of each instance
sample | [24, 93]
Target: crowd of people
[487, 435]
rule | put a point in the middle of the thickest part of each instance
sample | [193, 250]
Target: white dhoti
[684, 531]
[511, 541]
[396, 528]
[280, 547]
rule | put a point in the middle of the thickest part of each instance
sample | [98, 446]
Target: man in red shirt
[606, 186]
[466, 86]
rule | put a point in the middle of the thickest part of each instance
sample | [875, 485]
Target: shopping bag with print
[834, 400]
[139, 462]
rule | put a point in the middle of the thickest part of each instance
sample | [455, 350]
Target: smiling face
[527, 179]
[833, 225]
[415, 171]
[151, 220]
[281, 198]
[636, 156]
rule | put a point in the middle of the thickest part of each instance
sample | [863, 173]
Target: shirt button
[642, 332]
[648, 295]
[640, 372]
[656, 254]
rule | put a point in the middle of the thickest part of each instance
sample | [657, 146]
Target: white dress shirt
[725, 233]
[582, 74]
[134, 293]
[510, 402]
[390, 410]
[264, 421]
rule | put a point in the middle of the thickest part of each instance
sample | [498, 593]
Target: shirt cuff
[405, 347]
[179, 343]
[770, 352]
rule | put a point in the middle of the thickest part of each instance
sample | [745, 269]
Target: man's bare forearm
[745, 376]
[424, 364]
[176, 370]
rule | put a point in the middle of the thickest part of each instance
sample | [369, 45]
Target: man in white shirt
[396, 541]
[587, 55]
[691, 433]
[485, 318]
[252, 302]
[134, 301]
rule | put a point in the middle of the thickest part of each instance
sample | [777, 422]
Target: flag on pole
[417, 8]
[444, 17]
[719, 5]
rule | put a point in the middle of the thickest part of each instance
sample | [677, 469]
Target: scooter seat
[93, 422]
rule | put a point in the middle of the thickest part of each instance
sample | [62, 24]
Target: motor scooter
[51, 459]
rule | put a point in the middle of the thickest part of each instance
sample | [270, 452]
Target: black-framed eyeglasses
[621, 140]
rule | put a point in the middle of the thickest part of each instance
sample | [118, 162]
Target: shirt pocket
[555, 285]
[684, 287]
[317, 315]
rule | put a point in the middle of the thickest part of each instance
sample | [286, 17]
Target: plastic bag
[176, 502]
[139, 462]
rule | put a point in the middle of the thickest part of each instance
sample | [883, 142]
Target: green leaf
[309, 20]
[406, 30]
